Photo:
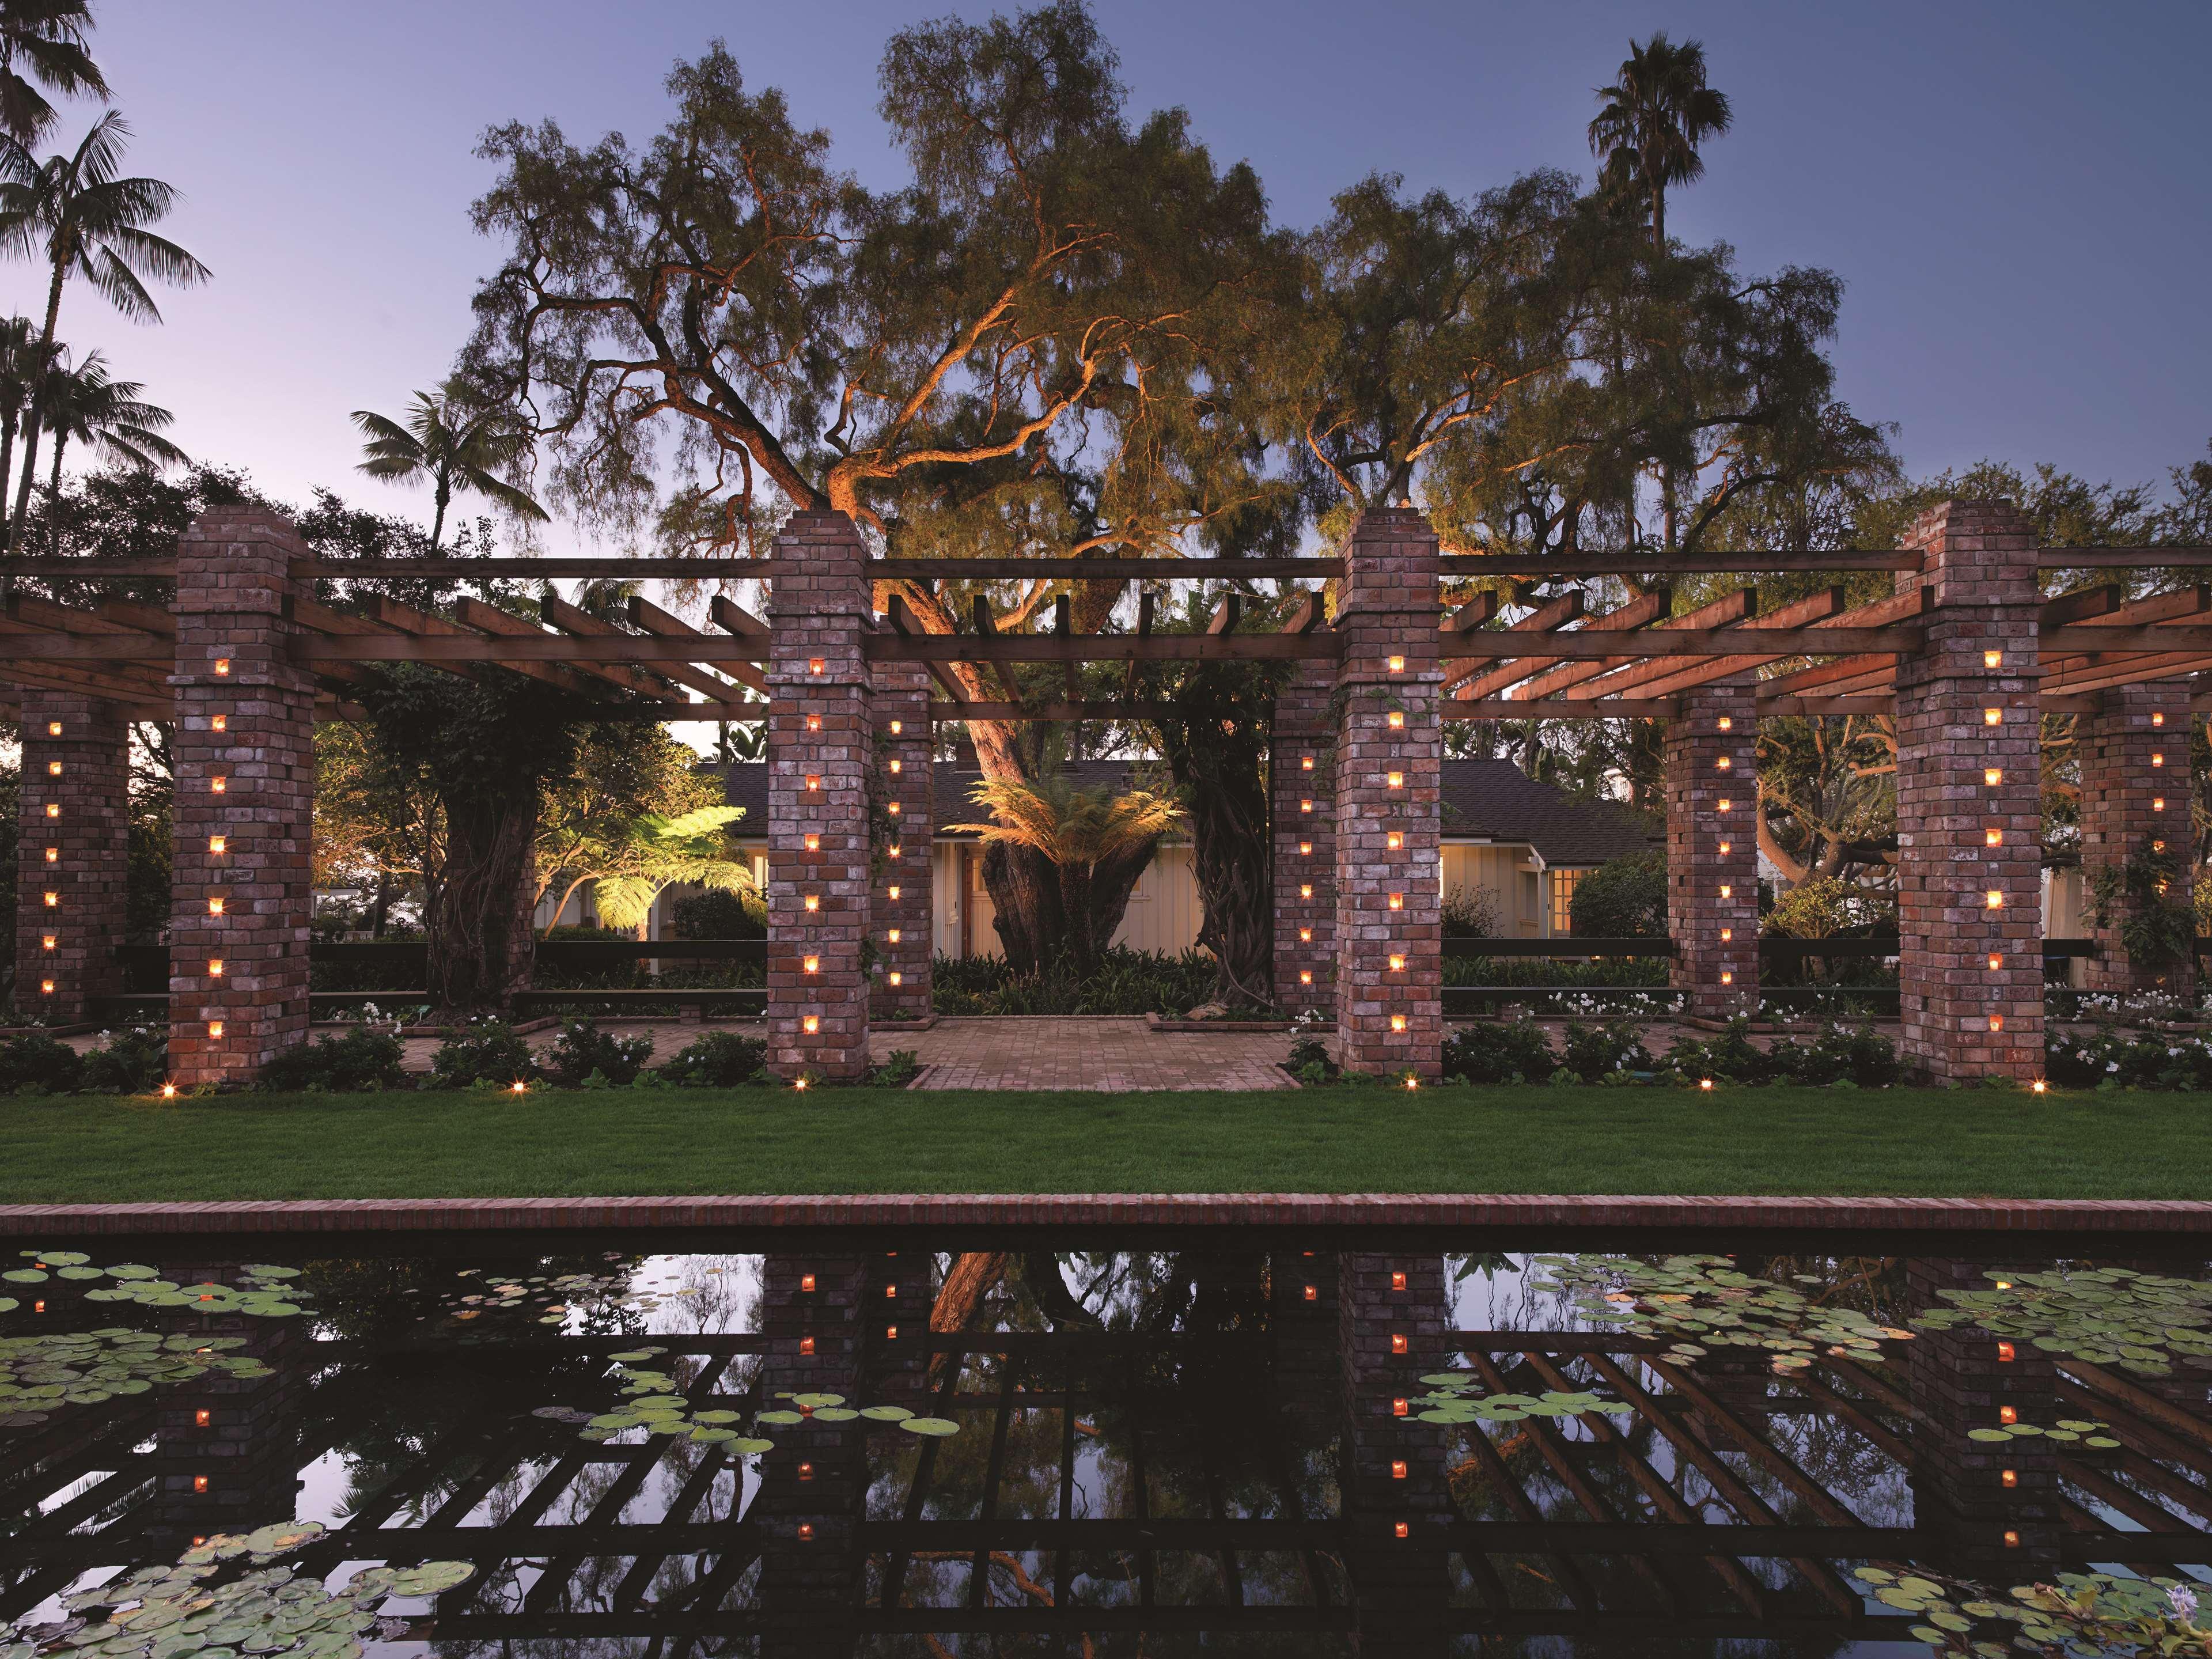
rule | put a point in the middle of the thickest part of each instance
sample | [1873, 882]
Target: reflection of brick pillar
[812, 1484]
[1393, 1329]
[2135, 793]
[1712, 850]
[244, 759]
[1390, 921]
[226, 1449]
[1302, 1326]
[902, 895]
[1961, 1380]
[820, 739]
[73, 857]
[1305, 840]
[1969, 802]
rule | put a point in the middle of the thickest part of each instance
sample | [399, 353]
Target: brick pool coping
[2126, 1216]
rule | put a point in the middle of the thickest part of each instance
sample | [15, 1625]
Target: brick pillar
[245, 758]
[225, 1449]
[74, 854]
[1969, 802]
[2136, 787]
[812, 1484]
[820, 736]
[1712, 850]
[1961, 1380]
[1389, 899]
[1306, 842]
[900, 900]
[1394, 1323]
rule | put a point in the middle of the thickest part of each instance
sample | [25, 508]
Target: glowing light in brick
[893, 936]
[1395, 842]
[220, 722]
[1992, 837]
[814, 722]
[1727, 933]
[215, 968]
[1992, 659]
[1993, 717]
[1305, 976]
[815, 665]
[1997, 1022]
[806, 1283]
[813, 781]
[1728, 723]
[215, 1028]
[895, 765]
[1723, 763]
[49, 941]
[2007, 1415]
[1996, 961]
[1305, 936]
[53, 900]
[1994, 898]
[1993, 777]
[1726, 805]
[1397, 964]
[1305, 890]
[2158, 805]
[53, 855]
[1397, 1022]
[1397, 665]
[1305, 763]
[1397, 1464]
[53, 728]
[1395, 781]
[895, 892]
[811, 1024]
[812, 901]
[810, 965]
[814, 844]
[218, 844]
[1398, 1343]
[2158, 720]
[897, 727]
[2158, 759]
[893, 809]
[1401, 1408]
[53, 809]
[1726, 847]
[47, 985]
[1402, 1529]
[1305, 849]
[1305, 806]
[53, 769]
[1397, 901]
[2009, 1477]
[1397, 719]
[215, 907]
[222, 665]
[2006, 1353]
[895, 849]
[897, 979]
[1727, 890]
[218, 785]
[1727, 978]
[1397, 1281]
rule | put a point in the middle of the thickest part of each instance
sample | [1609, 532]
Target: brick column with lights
[821, 751]
[1306, 842]
[1969, 802]
[73, 855]
[1393, 1327]
[245, 762]
[1712, 783]
[2136, 786]
[1389, 900]
[903, 924]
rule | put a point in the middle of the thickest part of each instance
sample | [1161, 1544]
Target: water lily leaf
[781, 1419]
[932, 1425]
[432, 1578]
[834, 1415]
[713, 1436]
[818, 1400]
[283, 1537]
[886, 1414]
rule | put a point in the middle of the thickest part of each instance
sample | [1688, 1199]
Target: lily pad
[931, 1425]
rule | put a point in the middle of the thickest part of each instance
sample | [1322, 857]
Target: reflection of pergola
[1250, 1479]
[1966, 655]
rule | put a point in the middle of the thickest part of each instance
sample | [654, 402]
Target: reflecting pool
[896, 1444]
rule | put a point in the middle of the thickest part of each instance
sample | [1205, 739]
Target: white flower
[2111, 1064]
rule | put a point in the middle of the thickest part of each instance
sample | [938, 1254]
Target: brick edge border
[1135, 1209]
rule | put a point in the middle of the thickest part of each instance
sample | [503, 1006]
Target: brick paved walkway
[1109, 1054]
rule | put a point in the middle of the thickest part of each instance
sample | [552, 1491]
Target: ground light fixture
[518, 1087]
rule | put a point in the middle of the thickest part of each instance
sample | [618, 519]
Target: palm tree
[450, 444]
[19, 371]
[87, 403]
[43, 40]
[76, 214]
[1652, 119]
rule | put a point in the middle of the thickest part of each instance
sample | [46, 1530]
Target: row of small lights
[218, 846]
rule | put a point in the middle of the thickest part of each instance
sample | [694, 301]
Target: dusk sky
[2016, 194]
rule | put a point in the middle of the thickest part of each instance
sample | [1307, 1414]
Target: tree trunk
[1025, 899]
[480, 940]
[8, 425]
[39, 366]
[54, 497]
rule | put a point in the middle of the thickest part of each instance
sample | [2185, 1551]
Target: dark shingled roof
[1483, 801]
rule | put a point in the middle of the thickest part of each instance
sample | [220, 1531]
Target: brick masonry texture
[903, 897]
[821, 752]
[1306, 842]
[73, 854]
[1960, 781]
[244, 763]
[1712, 848]
[2136, 787]
[1935, 1217]
[1389, 899]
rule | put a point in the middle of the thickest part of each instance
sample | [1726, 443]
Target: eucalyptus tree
[452, 445]
[995, 357]
[1651, 122]
[42, 50]
[81, 217]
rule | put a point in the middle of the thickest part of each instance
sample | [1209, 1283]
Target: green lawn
[1363, 1139]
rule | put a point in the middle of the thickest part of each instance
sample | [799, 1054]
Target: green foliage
[132, 1062]
[720, 1059]
[2157, 912]
[361, 1058]
[1471, 913]
[720, 915]
[487, 1051]
[903, 1065]
[1861, 1057]
[31, 1062]
[2144, 1060]
[1545, 973]
[1126, 982]
[1623, 898]
[1596, 1052]
[583, 1052]
[1518, 1052]
[1823, 907]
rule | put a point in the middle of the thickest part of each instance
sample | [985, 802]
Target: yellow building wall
[1509, 875]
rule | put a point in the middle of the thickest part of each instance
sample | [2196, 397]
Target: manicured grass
[1360, 1140]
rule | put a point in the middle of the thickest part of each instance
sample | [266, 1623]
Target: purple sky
[2015, 194]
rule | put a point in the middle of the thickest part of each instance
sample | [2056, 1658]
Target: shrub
[716, 915]
[1838, 1054]
[901, 1069]
[133, 1062]
[489, 1051]
[1732, 1056]
[720, 1059]
[362, 1059]
[34, 1063]
[1514, 1053]
[2143, 1059]
[1623, 898]
[1594, 1052]
[1126, 982]
[583, 1051]
[1471, 913]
